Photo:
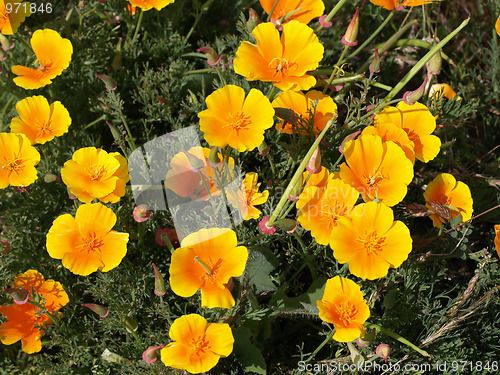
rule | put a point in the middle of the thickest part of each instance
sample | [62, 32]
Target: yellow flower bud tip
[349, 38]
[314, 164]
[383, 351]
[213, 57]
[20, 295]
[150, 355]
[375, 64]
[110, 83]
[98, 309]
[214, 159]
[141, 213]
[160, 288]
[196, 164]
[411, 97]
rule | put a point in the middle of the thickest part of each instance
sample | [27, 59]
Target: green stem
[298, 174]
[423, 61]
[124, 122]
[306, 256]
[137, 27]
[272, 10]
[375, 33]
[335, 70]
[332, 13]
[203, 10]
[199, 71]
[395, 336]
[325, 341]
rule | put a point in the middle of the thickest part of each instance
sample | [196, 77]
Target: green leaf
[247, 354]
[261, 262]
[305, 303]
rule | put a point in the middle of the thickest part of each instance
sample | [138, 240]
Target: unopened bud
[20, 295]
[435, 63]
[383, 351]
[287, 115]
[150, 354]
[110, 83]
[114, 131]
[349, 38]
[193, 97]
[214, 159]
[350, 137]
[296, 190]
[196, 163]
[6, 245]
[3, 55]
[253, 19]
[98, 309]
[366, 339]
[160, 288]
[130, 324]
[375, 64]
[7, 44]
[411, 97]
[49, 177]
[314, 164]
[288, 225]
[264, 149]
[212, 57]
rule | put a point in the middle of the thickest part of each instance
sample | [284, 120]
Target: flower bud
[411, 97]
[253, 19]
[214, 159]
[314, 164]
[130, 324]
[196, 164]
[70, 194]
[3, 55]
[150, 355]
[296, 190]
[264, 149]
[20, 295]
[141, 213]
[435, 63]
[160, 288]
[440, 90]
[98, 309]
[110, 83]
[264, 228]
[7, 44]
[375, 64]
[49, 177]
[288, 225]
[212, 57]
[349, 38]
[287, 115]
[364, 340]
[6, 245]
[350, 137]
[383, 351]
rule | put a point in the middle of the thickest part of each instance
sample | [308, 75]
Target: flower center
[44, 128]
[211, 269]
[237, 122]
[372, 243]
[333, 213]
[280, 67]
[14, 165]
[346, 312]
[95, 172]
[92, 242]
[198, 346]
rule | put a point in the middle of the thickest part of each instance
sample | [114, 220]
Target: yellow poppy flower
[497, 239]
[248, 197]
[186, 182]
[149, 4]
[314, 103]
[86, 242]
[418, 122]
[344, 306]
[25, 322]
[390, 132]
[324, 207]
[53, 54]
[447, 198]
[283, 61]
[40, 122]
[298, 10]
[231, 119]
[378, 170]
[399, 4]
[17, 160]
[440, 90]
[206, 260]
[198, 345]
[370, 241]
[12, 15]
[497, 25]
[93, 173]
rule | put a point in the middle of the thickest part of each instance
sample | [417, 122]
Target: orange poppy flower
[17, 160]
[186, 182]
[86, 242]
[497, 25]
[248, 197]
[197, 344]
[324, 207]
[283, 61]
[447, 198]
[53, 54]
[370, 241]
[418, 122]
[149, 4]
[298, 10]
[206, 260]
[12, 15]
[399, 4]
[497, 239]
[40, 122]
[314, 108]
[25, 322]
[231, 119]
[378, 170]
[93, 173]
[390, 132]
[440, 90]
[344, 306]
